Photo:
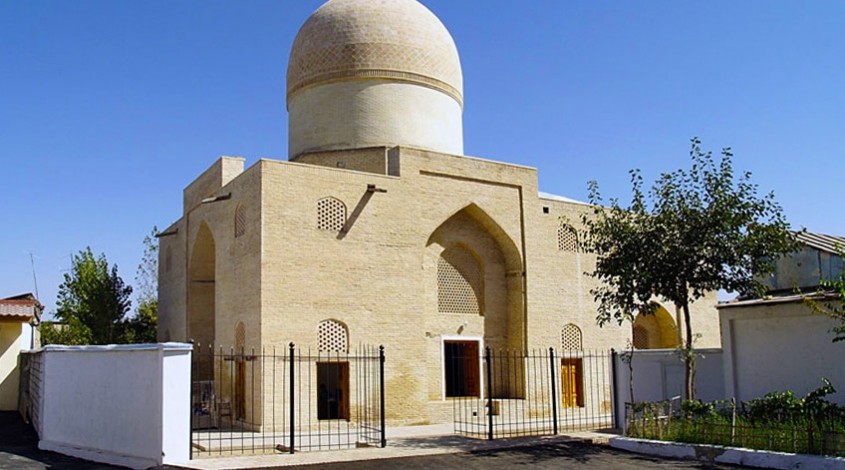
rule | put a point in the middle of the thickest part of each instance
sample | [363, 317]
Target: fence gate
[506, 394]
[285, 400]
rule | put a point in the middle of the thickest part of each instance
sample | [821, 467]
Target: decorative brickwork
[640, 337]
[570, 338]
[332, 337]
[240, 221]
[567, 238]
[354, 39]
[459, 282]
[331, 214]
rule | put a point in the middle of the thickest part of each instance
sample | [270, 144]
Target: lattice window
[331, 214]
[567, 238]
[459, 282]
[240, 337]
[570, 338]
[640, 337]
[240, 221]
[332, 336]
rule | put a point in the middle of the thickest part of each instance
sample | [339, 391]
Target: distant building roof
[23, 307]
[821, 241]
[555, 197]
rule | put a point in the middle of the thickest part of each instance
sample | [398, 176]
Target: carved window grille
[331, 214]
[459, 282]
[640, 339]
[332, 336]
[567, 238]
[240, 337]
[570, 338]
[240, 221]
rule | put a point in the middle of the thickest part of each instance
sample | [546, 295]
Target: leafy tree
[830, 301]
[93, 297]
[696, 231]
[141, 328]
[70, 332]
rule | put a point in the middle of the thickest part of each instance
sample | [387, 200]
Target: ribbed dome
[398, 40]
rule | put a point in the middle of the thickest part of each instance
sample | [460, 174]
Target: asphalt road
[559, 455]
[19, 449]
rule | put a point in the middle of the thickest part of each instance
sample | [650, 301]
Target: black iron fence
[507, 394]
[247, 401]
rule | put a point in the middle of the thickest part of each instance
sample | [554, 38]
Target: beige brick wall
[379, 275]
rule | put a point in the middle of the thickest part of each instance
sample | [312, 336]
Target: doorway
[333, 390]
[461, 369]
[572, 382]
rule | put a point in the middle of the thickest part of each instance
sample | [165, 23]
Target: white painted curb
[730, 455]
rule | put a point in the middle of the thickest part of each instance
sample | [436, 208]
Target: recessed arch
[656, 330]
[497, 286]
[201, 287]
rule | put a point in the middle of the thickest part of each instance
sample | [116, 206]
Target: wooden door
[333, 390]
[572, 382]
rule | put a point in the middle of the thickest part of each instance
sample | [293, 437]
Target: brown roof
[821, 241]
[21, 307]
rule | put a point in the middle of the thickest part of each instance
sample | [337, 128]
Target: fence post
[614, 412]
[554, 387]
[489, 393]
[381, 394]
[291, 397]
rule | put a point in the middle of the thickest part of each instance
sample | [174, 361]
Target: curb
[728, 455]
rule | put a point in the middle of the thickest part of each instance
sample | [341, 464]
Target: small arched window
[331, 214]
[567, 238]
[460, 282]
[332, 336]
[570, 338]
[240, 220]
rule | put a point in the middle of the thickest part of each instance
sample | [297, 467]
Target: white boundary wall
[126, 405]
[659, 375]
[779, 345]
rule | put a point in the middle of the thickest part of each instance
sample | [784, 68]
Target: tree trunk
[689, 355]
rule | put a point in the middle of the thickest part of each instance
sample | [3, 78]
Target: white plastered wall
[366, 113]
[779, 346]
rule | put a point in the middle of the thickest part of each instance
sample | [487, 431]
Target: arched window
[570, 338]
[331, 214]
[460, 282]
[240, 221]
[240, 337]
[567, 238]
[332, 336]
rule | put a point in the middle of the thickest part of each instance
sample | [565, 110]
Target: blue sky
[109, 109]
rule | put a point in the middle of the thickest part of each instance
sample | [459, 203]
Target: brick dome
[395, 40]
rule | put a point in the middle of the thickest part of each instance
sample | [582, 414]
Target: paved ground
[19, 449]
[556, 455]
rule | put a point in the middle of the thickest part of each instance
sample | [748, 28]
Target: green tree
[694, 232]
[830, 301]
[141, 328]
[93, 297]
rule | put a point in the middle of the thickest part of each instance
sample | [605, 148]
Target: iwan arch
[377, 229]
